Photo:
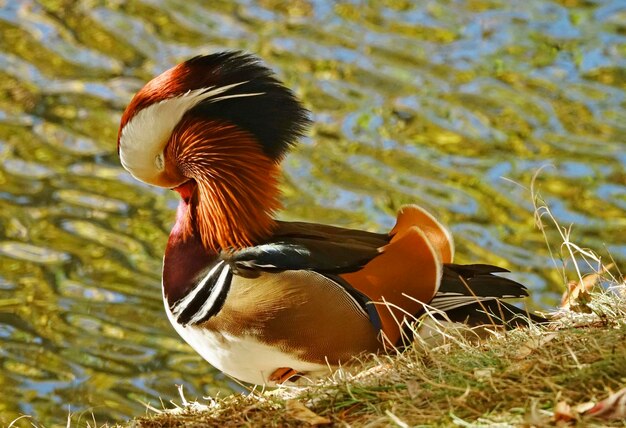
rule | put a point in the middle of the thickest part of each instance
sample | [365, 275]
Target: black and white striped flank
[205, 299]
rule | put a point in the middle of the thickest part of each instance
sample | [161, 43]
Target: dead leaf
[583, 407]
[414, 388]
[297, 410]
[532, 345]
[577, 296]
[483, 375]
[563, 412]
[612, 407]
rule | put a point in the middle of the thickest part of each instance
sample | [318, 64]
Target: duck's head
[215, 129]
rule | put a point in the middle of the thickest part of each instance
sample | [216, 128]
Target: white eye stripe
[144, 137]
[227, 97]
[209, 92]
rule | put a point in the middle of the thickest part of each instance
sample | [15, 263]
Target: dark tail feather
[481, 281]
[491, 312]
[471, 294]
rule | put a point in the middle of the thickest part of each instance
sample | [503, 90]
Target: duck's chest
[241, 355]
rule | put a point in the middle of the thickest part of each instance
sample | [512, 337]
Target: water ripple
[452, 105]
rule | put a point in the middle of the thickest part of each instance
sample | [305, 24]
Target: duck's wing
[390, 275]
[310, 246]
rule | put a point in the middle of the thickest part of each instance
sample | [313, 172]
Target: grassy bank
[532, 377]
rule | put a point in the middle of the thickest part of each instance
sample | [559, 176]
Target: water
[435, 103]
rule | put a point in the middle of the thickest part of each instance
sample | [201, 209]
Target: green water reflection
[430, 102]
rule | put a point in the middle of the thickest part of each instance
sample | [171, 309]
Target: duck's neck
[185, 257]
[236, 190]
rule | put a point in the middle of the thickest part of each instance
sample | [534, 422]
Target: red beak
[186, 189]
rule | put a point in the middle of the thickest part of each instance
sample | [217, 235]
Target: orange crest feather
[237, 183]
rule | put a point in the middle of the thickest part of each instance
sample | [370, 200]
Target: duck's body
[268, 301]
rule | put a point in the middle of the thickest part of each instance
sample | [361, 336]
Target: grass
[538, 376]
[517, 378]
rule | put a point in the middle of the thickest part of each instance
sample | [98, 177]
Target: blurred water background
[450, 104]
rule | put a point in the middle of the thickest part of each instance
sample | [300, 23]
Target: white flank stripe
[182, 304]
[217, 289]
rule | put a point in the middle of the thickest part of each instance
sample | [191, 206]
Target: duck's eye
[159, 162]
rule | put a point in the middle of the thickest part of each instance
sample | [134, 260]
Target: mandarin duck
[268, 301]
